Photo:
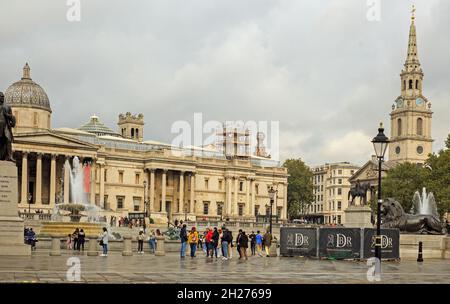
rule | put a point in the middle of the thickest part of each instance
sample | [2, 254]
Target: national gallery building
[124, 174]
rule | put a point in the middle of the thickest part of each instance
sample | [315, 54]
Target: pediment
[53, 140]
[366, 172]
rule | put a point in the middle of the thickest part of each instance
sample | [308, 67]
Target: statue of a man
[7, 122]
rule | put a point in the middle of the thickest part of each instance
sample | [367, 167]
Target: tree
[447, 142]
[402, 181]
[438, 180]
[300, 186]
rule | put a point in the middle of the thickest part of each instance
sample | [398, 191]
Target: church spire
[412, 59]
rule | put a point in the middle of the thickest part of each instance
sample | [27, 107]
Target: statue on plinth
[359, 190]
[7, 122]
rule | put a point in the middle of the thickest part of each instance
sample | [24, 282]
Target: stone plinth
[92, 247]
[127, 250]
[56, 247]
[160, 251]
[433, 246]
[358, 217]
[11, 225]
[273, 249]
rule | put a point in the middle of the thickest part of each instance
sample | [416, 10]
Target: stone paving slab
[115, 268]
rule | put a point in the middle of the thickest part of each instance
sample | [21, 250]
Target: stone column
[247, 198]
[102, 186]
[228, 195]
[24, 190]
[192, 206]
[53, 179]
[235, 197]
[66, 181]
[252, 204]
[38, 200]
[92, 194]
[152, 190]
[56, 247]
[92, 247]
[127, 249]
[181, 204]
[160, 251]
[163, 190]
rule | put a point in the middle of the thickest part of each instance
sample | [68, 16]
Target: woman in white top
[104, 242]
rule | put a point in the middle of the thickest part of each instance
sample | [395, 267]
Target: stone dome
[27, 93]
[95, 126]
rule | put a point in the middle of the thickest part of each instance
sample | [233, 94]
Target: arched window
[410, 84]
[404, 85]
[417, 84]
[419, 126]
[137, 133]
[399, 127]
[132, 132]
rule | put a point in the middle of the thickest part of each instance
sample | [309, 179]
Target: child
[69, 242]
[140, 239]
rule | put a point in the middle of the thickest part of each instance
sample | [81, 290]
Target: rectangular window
[241, 209]
[206, 183]
[314, 208]
[278, 211]
[105, 202]
[120, 177]
[339, 172]
[241, 186]
[339, 206]
[120, 200]
[333, 205]
[339, 191]
[220, 184]
[339, 219]
[136, 179]
[205, 208]
[219, 208]
[256, 210]
[321, 188]
[136, 203]
[105, 177]
[340, 181]
[321, 197]
[257, 188]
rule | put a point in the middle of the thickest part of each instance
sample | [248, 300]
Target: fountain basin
[63, 229]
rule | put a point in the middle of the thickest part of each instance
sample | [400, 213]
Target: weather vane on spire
[413, 12]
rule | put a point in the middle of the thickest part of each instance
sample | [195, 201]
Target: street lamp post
[380, 143]
[145, 199]
[272, 193]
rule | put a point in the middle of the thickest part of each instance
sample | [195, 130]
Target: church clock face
[420, 102]
[399, 102]
[397, 150]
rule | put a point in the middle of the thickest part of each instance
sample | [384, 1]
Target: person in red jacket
[209, 243]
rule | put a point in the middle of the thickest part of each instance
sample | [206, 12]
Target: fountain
[425, 205]
[66, 217]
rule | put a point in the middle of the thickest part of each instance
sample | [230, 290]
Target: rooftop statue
[7, 122]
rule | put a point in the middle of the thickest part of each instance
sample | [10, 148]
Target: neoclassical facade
[125, 174]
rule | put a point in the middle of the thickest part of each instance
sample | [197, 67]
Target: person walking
[267, 242]
[152, 241]
[209, 243]
[75, 239]
[230, 245]
[243, 245]
[215, 242]
[238, 247]
[104, 241]
[140, 239]
[81, 240]
[193, 241]
[184, 239]
[226, 239]
[252, 238]
[259, 242]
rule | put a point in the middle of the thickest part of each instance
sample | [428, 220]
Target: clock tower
[411, 113]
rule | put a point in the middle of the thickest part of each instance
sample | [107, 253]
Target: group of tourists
[126, 222]
[219, 242]
[76, 240]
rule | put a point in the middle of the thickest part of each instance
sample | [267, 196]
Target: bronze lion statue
[393, 216]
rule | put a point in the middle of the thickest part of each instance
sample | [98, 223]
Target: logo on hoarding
[339, 240]
[386, 242]
[298, 240]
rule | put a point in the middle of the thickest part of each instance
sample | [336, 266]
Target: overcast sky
[320, 68]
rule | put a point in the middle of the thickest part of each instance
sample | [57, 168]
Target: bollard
[92, 247]
[56, 247]
[127, 251]
[160, 246]
[273, 249]
[420, 255]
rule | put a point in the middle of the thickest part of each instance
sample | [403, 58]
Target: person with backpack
[81, 240]
[267, 242]
[259, 242]
[184, 240]
[193, 241]
[215, 242]
[243, 245]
